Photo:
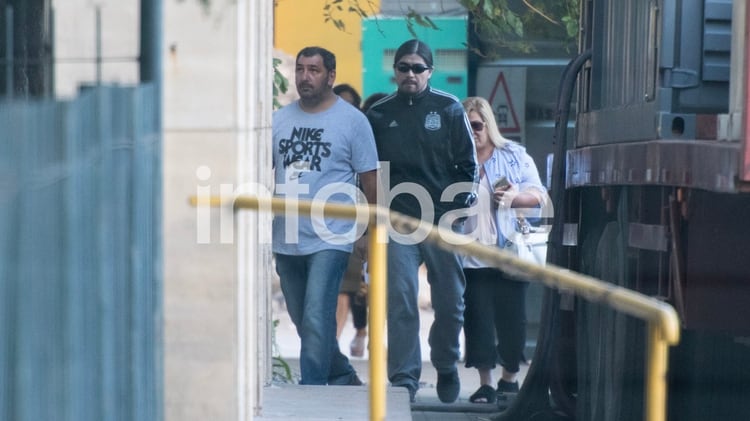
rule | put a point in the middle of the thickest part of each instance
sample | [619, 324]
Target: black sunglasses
[416, 68]
[477, 125]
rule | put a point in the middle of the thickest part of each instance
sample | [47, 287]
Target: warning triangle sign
[502, 102]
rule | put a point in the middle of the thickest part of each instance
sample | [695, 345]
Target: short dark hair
[377, 96]
[345, 87]
[414, 46]
[329, 59]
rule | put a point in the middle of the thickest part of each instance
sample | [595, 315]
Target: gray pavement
[295, 402]
[319, 403]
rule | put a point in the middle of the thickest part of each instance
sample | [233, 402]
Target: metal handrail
[662, 319]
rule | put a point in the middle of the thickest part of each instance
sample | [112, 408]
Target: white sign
[505, 89]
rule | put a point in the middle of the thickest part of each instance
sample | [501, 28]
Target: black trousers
[359, 310]
[494, 319]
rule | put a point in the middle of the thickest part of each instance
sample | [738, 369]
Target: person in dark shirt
[428, 165]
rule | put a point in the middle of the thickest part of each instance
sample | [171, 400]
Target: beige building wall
[217, 118]
[199, 279]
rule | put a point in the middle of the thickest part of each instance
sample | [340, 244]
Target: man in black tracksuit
[428, 165]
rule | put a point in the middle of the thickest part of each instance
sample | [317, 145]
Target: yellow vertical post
[656, 374]
[377, 265]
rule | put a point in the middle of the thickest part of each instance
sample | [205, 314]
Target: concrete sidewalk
[295, 402]
[324, 403]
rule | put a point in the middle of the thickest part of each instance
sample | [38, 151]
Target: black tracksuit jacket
[425, 139]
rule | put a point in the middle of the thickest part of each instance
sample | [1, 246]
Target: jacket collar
[414, 99]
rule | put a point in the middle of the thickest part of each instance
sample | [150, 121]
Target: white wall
[200, 288]
[217, 115]
[200, 80]
[75, 43]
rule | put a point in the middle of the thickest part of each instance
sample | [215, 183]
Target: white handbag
[528, 242]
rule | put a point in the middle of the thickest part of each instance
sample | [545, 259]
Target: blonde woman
[495, 312]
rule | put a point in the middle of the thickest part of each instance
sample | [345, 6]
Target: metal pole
[98, 43]
[657, 355]
[377, 264]
[150, 67]
[150, 64]
[50, 73]
[9, 51]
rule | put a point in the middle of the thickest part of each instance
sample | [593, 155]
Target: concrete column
[254, 108]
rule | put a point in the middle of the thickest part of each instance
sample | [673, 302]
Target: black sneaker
[506, 387]
[355, 380]
[448, 386]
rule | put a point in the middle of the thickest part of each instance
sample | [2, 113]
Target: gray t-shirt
[317, 156]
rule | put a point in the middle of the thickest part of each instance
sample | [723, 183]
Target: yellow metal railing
[663, 323]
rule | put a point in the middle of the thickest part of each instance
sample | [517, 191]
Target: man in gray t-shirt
[320, 144]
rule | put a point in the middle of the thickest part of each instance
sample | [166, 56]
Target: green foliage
[412, 18]
[501, 24]
[280, 83]
[571, 25]
[334, 9]
[281, 371]
[498, 24]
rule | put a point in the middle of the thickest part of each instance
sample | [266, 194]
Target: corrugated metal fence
[80, 269]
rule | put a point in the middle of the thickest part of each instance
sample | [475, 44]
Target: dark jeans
[310, 284]
[446, 278]
[495, 308]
